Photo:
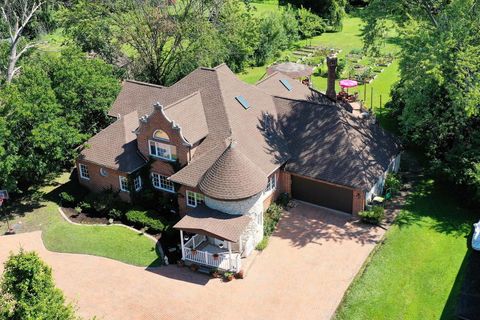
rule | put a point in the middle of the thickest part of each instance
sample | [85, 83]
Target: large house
[227, 149]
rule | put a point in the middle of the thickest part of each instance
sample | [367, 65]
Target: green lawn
[346, 40]
[416, 273]
[113, 242]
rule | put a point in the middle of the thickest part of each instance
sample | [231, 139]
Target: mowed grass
[112, 242]
[417, 272]
[349, 38]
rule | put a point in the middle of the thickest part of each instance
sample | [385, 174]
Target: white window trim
[80, 165]
[150, 142]
[193, 195]
[120, 178]
[160, 183]
[139, 179]
[270, 191]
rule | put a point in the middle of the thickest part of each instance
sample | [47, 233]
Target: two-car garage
[322, 193]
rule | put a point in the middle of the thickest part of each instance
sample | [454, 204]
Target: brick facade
[98, 183]
[157, 121]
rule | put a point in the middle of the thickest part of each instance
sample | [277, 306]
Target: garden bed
[83, 218]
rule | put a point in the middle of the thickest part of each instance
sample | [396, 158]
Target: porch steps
[205, 270]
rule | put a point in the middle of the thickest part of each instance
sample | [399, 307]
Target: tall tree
[438, 96]
[170, 40]
[16, 15]
[27, 291]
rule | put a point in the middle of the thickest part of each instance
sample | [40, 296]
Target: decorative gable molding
[159, 107]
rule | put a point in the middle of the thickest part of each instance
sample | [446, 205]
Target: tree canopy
[27, 291]
[438, 97]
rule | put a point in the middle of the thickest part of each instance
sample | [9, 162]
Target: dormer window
[161, 135]
[160, 150]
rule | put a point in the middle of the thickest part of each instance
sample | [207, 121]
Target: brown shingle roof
[273, 86]
[188, 113]
[328, 143]
[233, 176]
[115, 146]
[321, 140]
[214, 223]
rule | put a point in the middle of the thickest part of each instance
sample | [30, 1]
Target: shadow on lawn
[434, 201]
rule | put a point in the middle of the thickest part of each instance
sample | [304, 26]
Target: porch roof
[210, 222]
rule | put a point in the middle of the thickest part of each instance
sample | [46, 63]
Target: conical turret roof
[233, 176]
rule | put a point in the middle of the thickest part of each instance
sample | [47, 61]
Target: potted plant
[215, 273]
[215, 256]
[240, 274]
[194, 251]
[228, 276]
[180, 263]
[194, 267]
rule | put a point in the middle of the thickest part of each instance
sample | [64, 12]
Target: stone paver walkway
[303, 274]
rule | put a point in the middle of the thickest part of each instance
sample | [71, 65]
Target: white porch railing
[195, 241]
[225, 261]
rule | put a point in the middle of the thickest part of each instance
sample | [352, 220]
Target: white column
[229, 245]
[181, 241]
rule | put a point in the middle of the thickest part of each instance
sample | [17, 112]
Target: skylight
[242, 101]
[286, 84]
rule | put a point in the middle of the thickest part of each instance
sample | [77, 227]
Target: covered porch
[211, 238]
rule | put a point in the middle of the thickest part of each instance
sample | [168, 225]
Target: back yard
[416, 273]
[349, 44]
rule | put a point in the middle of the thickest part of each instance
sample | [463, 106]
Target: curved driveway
[303, 273]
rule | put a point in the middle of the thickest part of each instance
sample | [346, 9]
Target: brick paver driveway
[302, 274]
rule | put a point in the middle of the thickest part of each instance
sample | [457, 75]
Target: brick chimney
[332, 65]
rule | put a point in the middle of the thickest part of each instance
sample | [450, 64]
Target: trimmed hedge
[374, 215]
[270, 219]
[147, 219]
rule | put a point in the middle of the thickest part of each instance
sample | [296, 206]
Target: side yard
[416, 272]
[113, 242]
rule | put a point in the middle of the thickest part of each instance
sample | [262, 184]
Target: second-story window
[272, 183]
[160, 150]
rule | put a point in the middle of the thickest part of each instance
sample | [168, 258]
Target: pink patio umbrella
[347, 83]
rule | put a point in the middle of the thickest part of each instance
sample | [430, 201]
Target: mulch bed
[84, 218]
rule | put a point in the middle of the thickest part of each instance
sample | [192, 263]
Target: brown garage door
[322, 194]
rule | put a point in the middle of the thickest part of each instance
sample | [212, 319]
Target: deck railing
[195, 241]
[224, 261]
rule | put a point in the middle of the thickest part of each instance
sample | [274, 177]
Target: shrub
[115, 214]
[262, 244]
[143, 218]
[374, 215]
[393, 183]
[271, 217]
[67, 199]
[85, 206]
[283, 199]
[104, 201]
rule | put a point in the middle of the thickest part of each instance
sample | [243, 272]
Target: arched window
[161, 135]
